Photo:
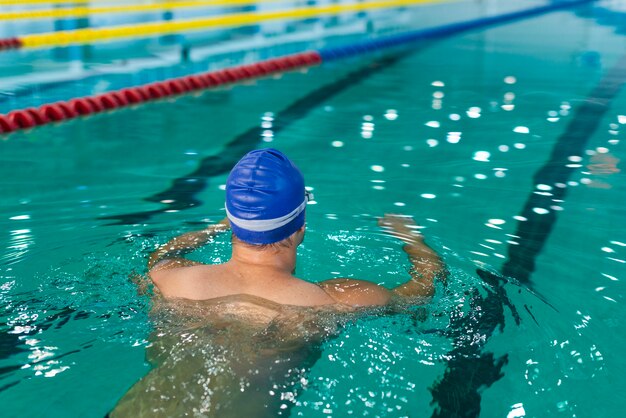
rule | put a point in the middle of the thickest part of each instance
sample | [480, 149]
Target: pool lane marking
[534, 232]
[181, 194]
[61, 13]
[453, 395]
[90, 35]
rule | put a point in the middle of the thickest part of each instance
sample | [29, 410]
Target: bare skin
[244, 331]
[267, 272]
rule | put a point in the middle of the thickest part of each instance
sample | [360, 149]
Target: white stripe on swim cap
[264, 225]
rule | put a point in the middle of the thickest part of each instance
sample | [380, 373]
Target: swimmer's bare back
[266, 271]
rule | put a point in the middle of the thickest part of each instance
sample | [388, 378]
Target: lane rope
[59, 111]
[84, 106]
[90, 35]
[133, 8]
[53, 2]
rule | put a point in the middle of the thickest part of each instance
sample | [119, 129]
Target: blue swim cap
[265, 197]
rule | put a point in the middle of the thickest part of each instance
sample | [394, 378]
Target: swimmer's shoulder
[183, 279]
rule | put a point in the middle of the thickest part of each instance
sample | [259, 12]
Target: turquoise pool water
[451, 132]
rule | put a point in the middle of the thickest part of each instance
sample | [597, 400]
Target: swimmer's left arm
[427, 264]
[169, 255]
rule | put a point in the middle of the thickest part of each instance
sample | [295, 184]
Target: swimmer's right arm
[174, 249]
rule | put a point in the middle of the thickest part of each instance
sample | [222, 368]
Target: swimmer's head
[265, 197]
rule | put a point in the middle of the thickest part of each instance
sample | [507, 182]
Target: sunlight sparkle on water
[391, 114]
[453, 137]
[337, 144]
[482, 156]
[377, 168]
[433, 124]
[608, 276]
[521, 129]
[473, 112]
[517, 411]
[493, 241]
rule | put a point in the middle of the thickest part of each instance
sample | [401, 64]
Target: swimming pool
[455, 132]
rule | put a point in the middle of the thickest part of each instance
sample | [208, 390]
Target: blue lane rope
[335, 53]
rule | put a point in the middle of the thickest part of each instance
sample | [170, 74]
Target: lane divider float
[10, 43]
[59, 111]
[145, 30]
[47, 2]
[84, 106]
[83, 11]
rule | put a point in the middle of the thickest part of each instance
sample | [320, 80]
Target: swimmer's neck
[277, 260]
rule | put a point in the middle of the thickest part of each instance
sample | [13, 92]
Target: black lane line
[470, 369]
[183, 189]
[535, 231]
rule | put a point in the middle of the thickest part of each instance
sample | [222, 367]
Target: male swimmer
[254, 321]
[265, 208]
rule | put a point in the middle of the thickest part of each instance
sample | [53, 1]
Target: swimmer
[265, 207]
[238, 336]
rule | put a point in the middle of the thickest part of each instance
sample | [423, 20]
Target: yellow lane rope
[135, 8]
[52, 2]
[89, 35]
